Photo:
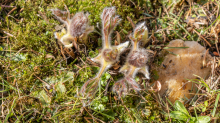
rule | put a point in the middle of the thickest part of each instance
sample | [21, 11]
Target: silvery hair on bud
[78, 24]
[138, 58]
[131, 81]
[108, 14]
[120, 87]
[140, 25]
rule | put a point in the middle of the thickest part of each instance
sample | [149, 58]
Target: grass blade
[10, 111]
[216, 104]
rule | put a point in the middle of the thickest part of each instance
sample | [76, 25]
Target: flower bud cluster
[109, 54]
[77, 26]
[136, 62]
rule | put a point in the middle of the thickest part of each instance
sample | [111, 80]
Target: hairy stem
[106, 42]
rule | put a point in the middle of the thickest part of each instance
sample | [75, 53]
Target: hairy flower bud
[107, 15]
[138, 58]
[78, 24]
[110, 55]
[120, 87]
[132, 83]
[77, 27]
[140, 33]
[109, 21]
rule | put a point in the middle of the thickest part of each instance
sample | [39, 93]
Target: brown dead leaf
[70, 52]
[116, 66]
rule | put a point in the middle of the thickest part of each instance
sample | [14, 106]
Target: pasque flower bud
[138, 57]
[77, 27]
[109, 54]
[121, 87]
[136, 61]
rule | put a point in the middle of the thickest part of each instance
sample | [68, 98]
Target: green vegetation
[183, 115]
[40, 81]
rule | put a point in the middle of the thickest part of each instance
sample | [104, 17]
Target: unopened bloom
[109, 21]
[77, 26]
[138, 57]
[121, 87]
[136, 60]
[109, 54]
[140, 34]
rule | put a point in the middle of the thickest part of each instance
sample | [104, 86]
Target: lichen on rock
[176, 70]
